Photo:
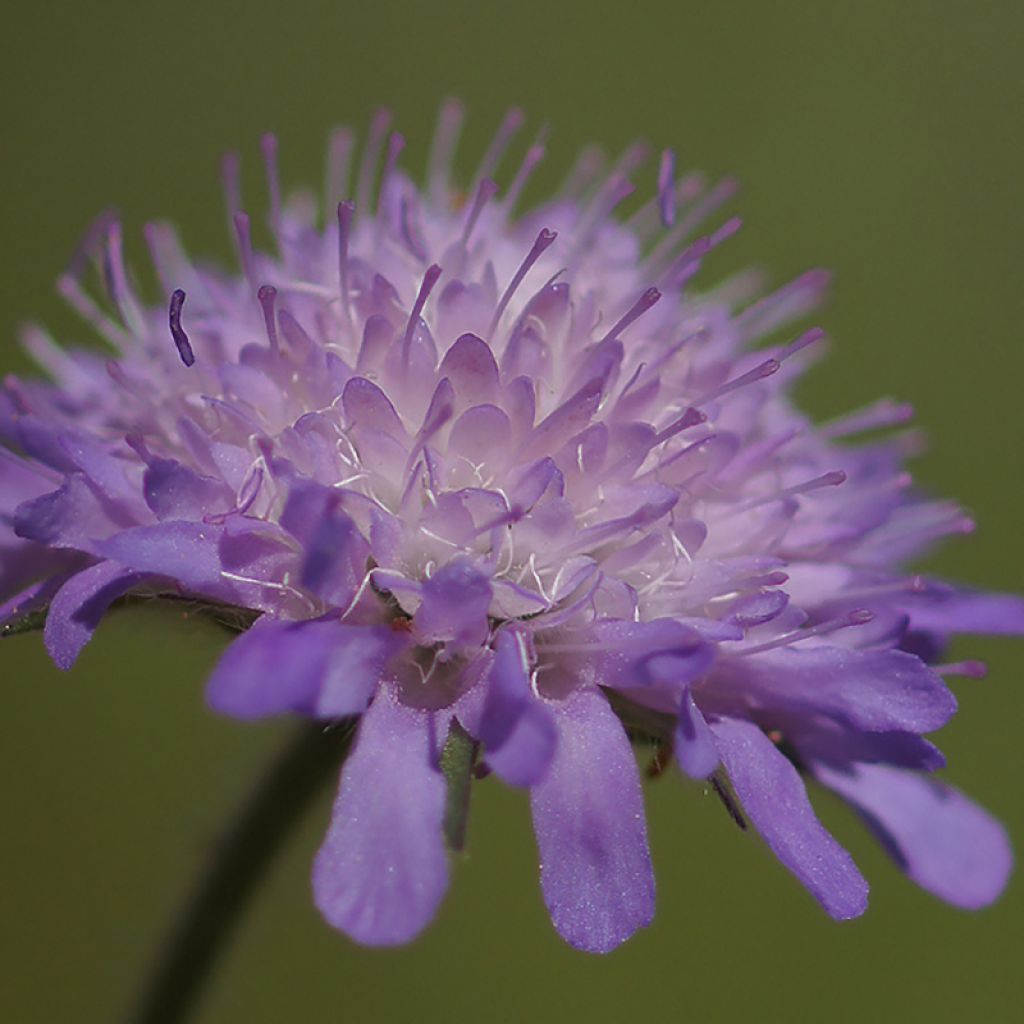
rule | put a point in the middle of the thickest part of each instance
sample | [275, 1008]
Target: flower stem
[226, 885]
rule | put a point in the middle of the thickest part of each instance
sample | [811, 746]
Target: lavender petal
[382, 869]
[774, 797]
[589, 819]
[944, 842]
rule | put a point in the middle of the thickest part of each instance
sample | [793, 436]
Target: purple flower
[509, 483]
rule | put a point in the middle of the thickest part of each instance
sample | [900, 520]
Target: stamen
[815, 334]
[117, 284]
[410, 228]
[268, 145]
[662, 252]
[759, 372]
[371, 154]
[339, 158]
[858, 617]
[689, 260]
[506, 132]
[833, 479]
[429, 280]
[970, 669]
[690, 418]
[85, 251]
[615, 189]
[357, 596]
[787, 303]
[15, 391]
[633, 157]
[647, 222]
[442, 153]
[675, 458]
[243, 236]
[249, 489]
[956, 522]
[534, 155]
[666, 188]
[181, 342]
[267, 296]
[915, 585]
[630, 384]
[586, 168]
[542, 242]
[395, 146]
[670, 352]
[171, 262]
[284, 588]
[881, 414]
[346, 210]
[73, 293]
[644, 303]
[485, 192]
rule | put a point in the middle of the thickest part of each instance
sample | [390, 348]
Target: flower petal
[695, 747]
[940, 838]
[872, 690]
[355, 665]
[455, 603]
[174, 491]
[272, 668]
[382, 869]
[958, 610]
[470, 366]
[589, 818]
[334, 551]
[624, 654]
[78, 607]
[773, 795]
[183, 551]
[821, 739]
[319, 667]
[69, 517]
[516, 728]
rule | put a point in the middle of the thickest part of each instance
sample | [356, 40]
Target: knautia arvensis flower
[509, 482]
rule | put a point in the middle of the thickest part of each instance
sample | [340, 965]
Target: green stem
[235, 869]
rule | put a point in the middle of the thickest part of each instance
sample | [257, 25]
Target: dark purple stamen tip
[644, 303]
[181, 342]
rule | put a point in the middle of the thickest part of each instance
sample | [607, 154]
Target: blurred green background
[880, 139]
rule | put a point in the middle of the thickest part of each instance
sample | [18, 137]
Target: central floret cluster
[511, 479]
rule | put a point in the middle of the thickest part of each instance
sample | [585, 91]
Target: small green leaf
[31, 622]
[457, 760]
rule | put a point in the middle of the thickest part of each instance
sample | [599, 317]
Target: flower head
[512, 490]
